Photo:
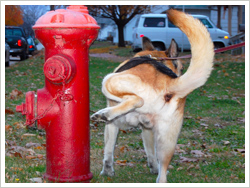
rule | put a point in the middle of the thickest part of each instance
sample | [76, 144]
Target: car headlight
[226, 37]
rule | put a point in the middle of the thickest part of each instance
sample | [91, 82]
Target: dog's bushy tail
[202, 50]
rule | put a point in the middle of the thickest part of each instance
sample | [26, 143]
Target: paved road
[14, 60]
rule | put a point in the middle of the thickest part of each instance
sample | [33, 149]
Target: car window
[15, 32]
[170, 24]
[206, 22]
[154, 22]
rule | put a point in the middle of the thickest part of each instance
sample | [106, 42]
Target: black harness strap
[147, 60]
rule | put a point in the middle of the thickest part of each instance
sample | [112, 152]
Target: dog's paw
[100, 116]
[153, 171]
[109, 173]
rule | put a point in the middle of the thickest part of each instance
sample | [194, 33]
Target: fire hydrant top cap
[75, 16]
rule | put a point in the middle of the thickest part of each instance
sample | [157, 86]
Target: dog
[149, 93]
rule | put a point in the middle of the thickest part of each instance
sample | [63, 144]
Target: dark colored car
[16, 39]
[7, 55]
[31, 45]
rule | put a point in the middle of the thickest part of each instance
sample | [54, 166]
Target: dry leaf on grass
[197, 153]
[225, 142]
[30, 144]
[8, 128]
[188, 160]
[8, 111]
[124, 163]
[240, 150]
[36, 180]
[14, 93]
[29, 134]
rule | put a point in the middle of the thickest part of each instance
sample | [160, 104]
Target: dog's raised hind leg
[129, 103]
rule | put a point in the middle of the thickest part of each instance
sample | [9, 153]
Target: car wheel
[23, 56]
[7, 64]
[218, 45]
[159, 46]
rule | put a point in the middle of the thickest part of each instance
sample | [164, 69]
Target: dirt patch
[110, 57]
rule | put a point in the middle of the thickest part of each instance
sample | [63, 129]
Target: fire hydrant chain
[61, 94]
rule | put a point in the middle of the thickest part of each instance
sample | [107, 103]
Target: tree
[30, 15]
[120, 14]
[13, 15]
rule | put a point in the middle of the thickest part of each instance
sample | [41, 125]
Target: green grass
[220, 104]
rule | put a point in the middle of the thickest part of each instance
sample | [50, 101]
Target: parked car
[7, 55]
[160, 31]
[16, 39]
[32, 46]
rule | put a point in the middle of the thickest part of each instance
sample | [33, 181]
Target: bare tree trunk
[230, 19]
[239, 16]
[52, 7]
[219, 16]
[121, 42]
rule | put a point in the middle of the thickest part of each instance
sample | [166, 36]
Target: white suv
[160, 31]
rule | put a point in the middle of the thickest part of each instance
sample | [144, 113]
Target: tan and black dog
[145, 92]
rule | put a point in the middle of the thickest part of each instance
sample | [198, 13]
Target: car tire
[23, 56]
[159, 46]
[218, 45]
[7, 64]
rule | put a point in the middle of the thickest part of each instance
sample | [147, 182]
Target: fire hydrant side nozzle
[62, 106]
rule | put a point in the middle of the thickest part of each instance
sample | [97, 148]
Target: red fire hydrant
[62, 106]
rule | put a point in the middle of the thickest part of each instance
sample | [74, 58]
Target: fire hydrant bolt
[58, 69]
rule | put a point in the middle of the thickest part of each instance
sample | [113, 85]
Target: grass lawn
[210, 147]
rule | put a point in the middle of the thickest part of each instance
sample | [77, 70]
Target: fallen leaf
[16, 168]
[197, 166]
[123, 148]
[121, 162]
[36, 180]
[17, 154]
[8, 127]
[170, 167]
[14, 93]
[240, 150]
[9, 155]
[39, 147]
[188, 117]
[197, 153]
[30, 144]
[180, 168]
[30, 157]
[226, 142]
[10, 142]
[188, 160]
[203, 124]
[39, 156]
[29, 134]
[217, 125]
[23, 150]
[131, 164]
[8, 111]
[191, 166]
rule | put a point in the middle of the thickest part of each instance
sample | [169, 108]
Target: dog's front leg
[110, 136]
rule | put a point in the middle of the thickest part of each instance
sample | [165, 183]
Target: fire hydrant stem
[62, 106]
